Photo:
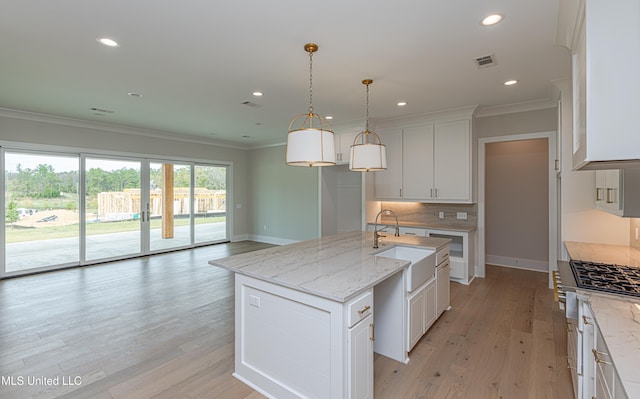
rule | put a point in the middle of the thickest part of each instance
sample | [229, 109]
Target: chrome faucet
[376, 232]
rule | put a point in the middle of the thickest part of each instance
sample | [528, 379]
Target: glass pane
[210, 204]
[41, 206]
[170, 205]
[112, 208]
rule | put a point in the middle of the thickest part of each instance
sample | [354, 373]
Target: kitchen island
[309, 315]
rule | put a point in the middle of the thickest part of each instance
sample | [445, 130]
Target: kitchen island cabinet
[306, 316]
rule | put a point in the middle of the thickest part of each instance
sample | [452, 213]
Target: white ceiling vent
[250, 104]
[485, 61]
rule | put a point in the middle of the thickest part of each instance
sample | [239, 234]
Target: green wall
[283, 198]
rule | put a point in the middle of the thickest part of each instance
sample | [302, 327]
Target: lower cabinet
[360, 359]
[443, 287]
[422, 312]
[600, 379]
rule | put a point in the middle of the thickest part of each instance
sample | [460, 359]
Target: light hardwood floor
[162, 327]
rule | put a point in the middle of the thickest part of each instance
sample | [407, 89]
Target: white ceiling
[196, 61]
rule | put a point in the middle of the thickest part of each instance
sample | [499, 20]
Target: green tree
[12, 214]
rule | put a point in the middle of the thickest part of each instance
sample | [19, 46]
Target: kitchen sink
[422, 267]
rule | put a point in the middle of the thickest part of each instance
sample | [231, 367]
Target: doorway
[511, 222]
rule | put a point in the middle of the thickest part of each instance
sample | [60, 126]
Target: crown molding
[58, 120]
[515, 108]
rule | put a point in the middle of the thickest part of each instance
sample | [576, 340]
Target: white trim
[58, 120]
[240, 237]
[518, 107]
[422, 119]
[518, 263]
[2, 217]
[551, 137]
[271, 240]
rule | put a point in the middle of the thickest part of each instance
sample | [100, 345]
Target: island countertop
[337, 267]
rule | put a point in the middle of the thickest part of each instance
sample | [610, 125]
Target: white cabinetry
[618, 192]
[605, 62]
[462, 253]
[422, 312]
[343, 142]
[388, 183]
[597, 376]
[360, 359]
[443, 284]
[293, 344]
[428, 163]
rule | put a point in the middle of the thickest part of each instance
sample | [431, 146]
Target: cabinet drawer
[413, 231]
[359, 309]
[442, 255]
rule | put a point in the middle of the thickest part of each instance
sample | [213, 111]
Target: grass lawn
[47, 233]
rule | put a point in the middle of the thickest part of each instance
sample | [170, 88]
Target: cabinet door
[417, 178]
[452, 161]
[360, 360]
[442, 278]
[343, 143]
[388, 183]
[430, 304]
[415, 320]
[612, 189]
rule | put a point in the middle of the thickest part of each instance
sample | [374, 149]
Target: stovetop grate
[615, 279]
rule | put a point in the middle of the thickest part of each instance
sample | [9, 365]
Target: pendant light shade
[310, 140]
[368, 154]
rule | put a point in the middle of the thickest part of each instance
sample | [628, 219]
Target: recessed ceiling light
[328, 117]
[258, 93]
[510, 82]
[401, 103]
[492, 19]
[107, 41]
[134, 94]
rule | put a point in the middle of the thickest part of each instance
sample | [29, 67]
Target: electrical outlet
[441, 215]
[462, 215]
[265, 227]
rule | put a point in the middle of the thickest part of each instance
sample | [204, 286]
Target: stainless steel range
[613, 279]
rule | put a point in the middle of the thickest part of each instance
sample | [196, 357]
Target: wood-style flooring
[162, 327]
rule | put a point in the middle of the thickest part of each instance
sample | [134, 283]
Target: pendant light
[310, 141]
[368, 154]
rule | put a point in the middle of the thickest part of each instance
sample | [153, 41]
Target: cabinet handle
[597, 359]
[585, 319]
[436, 193]
[364, 310]
[609, 196]
[401, 192]
[373, 332]
[409, 234]
[431, 193]
[598, 194]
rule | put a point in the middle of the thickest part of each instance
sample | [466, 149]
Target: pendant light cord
[310, 83]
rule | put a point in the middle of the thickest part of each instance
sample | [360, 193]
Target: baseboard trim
[517, 263]
[271, 240]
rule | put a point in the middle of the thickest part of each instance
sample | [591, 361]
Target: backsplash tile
[428, 214]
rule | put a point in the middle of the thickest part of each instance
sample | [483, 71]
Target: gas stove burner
[615, 279]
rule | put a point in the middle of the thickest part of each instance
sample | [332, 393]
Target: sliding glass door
[113, 198]
[72, 209]
[42, 223]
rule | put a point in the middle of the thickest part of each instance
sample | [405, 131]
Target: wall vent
[485, 61]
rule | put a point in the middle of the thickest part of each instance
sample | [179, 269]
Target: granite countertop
[603, 253]
[433, 226]
[618, 319]
[337, 267]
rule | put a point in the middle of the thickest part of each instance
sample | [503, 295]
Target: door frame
[551, 137]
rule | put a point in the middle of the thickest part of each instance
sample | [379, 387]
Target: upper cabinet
[617, 192]
[343, 141]
[604, 38]
[427, 163]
